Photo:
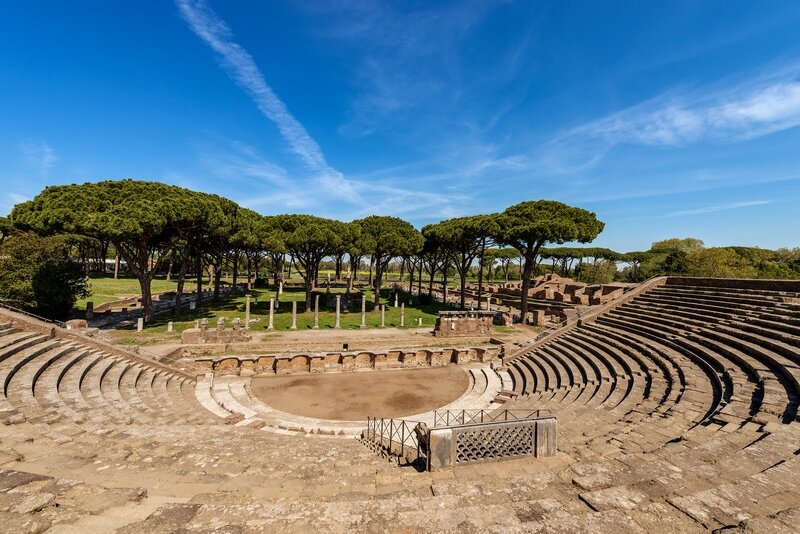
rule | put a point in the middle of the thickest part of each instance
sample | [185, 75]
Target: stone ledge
[333, 362]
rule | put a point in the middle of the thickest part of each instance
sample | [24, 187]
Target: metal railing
[396, 436]
[445, 418]
[33, 315]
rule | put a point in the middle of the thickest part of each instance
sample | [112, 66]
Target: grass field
[234, 306]
[104, 288]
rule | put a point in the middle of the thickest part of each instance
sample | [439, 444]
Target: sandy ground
[355, 396]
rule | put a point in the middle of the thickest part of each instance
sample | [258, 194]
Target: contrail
[241, 67]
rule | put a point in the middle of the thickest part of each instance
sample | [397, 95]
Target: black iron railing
[443, 418]
[396, 436]
[32, 315]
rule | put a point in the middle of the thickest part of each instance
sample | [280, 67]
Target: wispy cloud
[753, 108]
[39, 154]
[719, 207]
[244, 168]
[241, 67]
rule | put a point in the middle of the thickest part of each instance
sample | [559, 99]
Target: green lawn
[104, 288]
[234, 306]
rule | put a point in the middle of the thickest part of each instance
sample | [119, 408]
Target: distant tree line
[156, 227]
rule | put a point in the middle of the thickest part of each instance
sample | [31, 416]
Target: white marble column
[271, 312]
[363, 311]
[247, 312]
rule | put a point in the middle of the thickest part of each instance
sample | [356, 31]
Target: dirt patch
[355, 396]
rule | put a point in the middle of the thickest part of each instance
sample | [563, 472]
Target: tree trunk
[419, 281]
[377, 286]
[103, 254]
[199, 269]
[371, 262]
[256, 266]
[338, 261]
[463, 287]
[181, 281]
[236, 272]
[217, 276]
[309, 288]
[116, 267]
[249, 273]
[526, 284]
[444, 287]
[480, 278]
[169, 269]
[147, 298]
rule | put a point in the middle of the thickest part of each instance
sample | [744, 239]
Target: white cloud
[756, 107]
[40, 154]
[241, 67]
[242, 168]
[719, 207]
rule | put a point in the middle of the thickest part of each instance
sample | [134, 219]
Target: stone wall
[491, 442]
[337, 362]
[466, 323]
[202, 334]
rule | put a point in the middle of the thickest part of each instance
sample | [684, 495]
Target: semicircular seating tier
[677, 409]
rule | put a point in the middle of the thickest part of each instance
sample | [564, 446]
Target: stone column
[489, 303]
[89, 311]
[338, 309]
[363, 312]
[316, 312]
[383, 315]
[139, 324]
[170, 328]
[247, 312]
[271, 312]
[395, 300]
[280, 288]
[402, 314]
[294, 315]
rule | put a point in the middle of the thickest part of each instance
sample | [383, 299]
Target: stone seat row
[761, 358]
[47, 379]
[705, 355]
[644, 403]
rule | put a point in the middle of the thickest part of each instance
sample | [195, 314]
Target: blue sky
[668, 119]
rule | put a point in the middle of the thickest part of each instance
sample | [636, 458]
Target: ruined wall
[338, 362]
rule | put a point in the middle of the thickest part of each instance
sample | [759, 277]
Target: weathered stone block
[440, 455]
[546, 437]
[76, 324]
[317, 365]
